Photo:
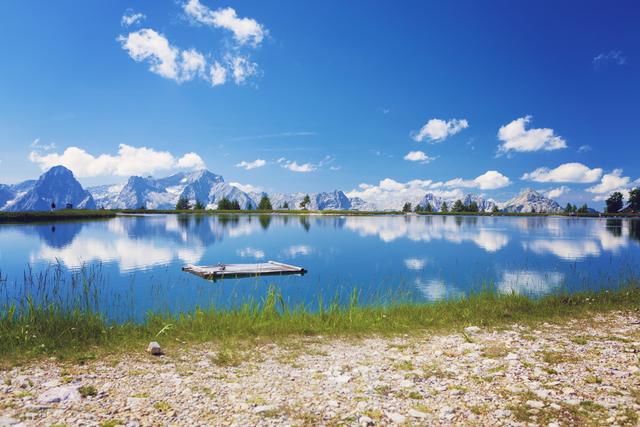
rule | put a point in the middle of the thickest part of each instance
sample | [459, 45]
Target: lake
[138, 259]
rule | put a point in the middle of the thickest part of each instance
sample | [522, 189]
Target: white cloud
[218, 74]
[193, 64]
[613, 56]
[130, 18]
[191, 161]
[304, 167]
[515, 137]
[257, 163]
[584, 148]
[241, 68]
[245, 30]
[148, 45]
[129, 161]
[38, 145]
[247, 188]
[171, 62]
[418, 156]
[567, 172]
[609, 183]
[391, 194]
[557, 192]
[308, 167]
[438, 130]
[489, 180]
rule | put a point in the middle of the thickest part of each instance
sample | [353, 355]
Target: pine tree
[615, 202]
[265, 203]
[304, 204]
[285, 205]
[472, 207]
[407, 207]
[495, 209]
[183, 204]
[458, 206]
[444, 207]
[583, 209]
[199, 206]
[634, 199]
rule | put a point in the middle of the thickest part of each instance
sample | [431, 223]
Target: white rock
[8, 421]
[472, 329]
[154, 348]
[365, 421]
[417, 414]
[342, 379]
[263, 408]
[396, 418]
[511, 356]
[535, 404]
[60, 394]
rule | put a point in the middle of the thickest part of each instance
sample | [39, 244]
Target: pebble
[332, 381]
[154, 348]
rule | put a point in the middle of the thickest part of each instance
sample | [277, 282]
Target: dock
[221, 271]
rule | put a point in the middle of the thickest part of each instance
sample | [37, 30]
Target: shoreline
[76, 330]
[581, 371]
[72, 215]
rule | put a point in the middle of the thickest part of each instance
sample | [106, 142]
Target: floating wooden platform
[220, 271]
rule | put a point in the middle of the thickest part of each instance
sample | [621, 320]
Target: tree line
[226, 204]
[615, 202]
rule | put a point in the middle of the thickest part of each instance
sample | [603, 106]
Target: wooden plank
[243, 270]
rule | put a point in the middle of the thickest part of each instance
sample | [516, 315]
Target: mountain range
[59, 186]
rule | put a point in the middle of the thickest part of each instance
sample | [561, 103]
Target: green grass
[69, 326]
[59, 215]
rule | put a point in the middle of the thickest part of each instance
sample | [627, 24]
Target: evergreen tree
[458, 206]
[428, 208]
[199, 206]
[583, 209]
[444, 207]
[634, 199]
[495, 209]
[568, 208]
[265, 203]
[285, 205]
[235, 206]
[407, 207]
[472, 207]
[615, 202]
[418, 209]
[304, 204]
[183, 204]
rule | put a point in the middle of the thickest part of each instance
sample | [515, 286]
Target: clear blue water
[384, 257]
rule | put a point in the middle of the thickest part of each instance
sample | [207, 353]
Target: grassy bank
[74, 330]
[59, 215]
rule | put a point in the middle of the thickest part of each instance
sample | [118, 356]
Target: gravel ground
[579, 372]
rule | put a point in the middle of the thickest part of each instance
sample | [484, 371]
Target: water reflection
[480, 231]
[529, 282]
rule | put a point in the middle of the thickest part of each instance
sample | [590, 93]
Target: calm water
[421, 258]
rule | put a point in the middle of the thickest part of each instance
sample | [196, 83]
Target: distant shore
[70, 214]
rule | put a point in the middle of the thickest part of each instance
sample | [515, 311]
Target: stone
[416, 414]
[154, 348]
[396, 418]
[60, 394]
[8, 421]
[511, 356]
[264, 408]
[365, 421]
[472, 329]
[535, 404]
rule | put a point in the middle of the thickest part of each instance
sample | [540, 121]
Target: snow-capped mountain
[57, 185]
[163, 193]
[531, 201]
[484, 205]
[335, 200]
[357, 204]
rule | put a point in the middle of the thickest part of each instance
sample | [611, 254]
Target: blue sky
[327, 95]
